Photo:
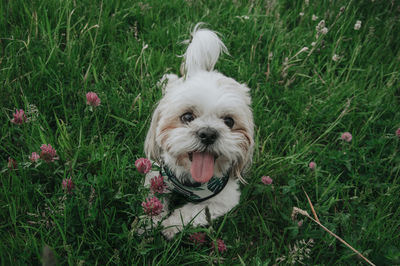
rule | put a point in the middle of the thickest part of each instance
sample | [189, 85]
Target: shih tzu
[201, 136]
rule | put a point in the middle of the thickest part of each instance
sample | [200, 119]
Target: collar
[196, 192]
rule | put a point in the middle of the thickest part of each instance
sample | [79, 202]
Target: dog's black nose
[207, 135]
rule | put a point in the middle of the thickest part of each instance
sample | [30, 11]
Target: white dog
[201, 135]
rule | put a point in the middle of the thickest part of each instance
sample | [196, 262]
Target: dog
[201, 136]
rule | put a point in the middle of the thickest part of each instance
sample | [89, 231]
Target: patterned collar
[196, 192]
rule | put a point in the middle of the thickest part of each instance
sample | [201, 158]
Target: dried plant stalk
[305, 213]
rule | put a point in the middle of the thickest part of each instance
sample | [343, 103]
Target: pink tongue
[202, 166]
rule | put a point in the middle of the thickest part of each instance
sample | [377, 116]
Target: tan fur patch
[165, 129]
[245, 134]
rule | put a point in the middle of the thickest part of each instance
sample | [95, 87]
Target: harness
[196, 192]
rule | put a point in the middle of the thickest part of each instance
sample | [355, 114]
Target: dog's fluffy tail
[203, 51]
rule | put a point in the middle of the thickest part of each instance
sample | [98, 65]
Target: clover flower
[266, 180]
[12, 163]
[152, 206]
[346, 136]
[143, 165]
[398, 132]
[357, 26]
[68, 185]
[324, 30]
[34, 157]
[320, 26]
[19, 117]
[312, 165]
[220, 245]
[48, 153]
[92, 99]
[157, 184]
[335, 57]
[321, 29]
[300, 223]
[198, 238]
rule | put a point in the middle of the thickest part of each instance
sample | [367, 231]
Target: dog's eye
[187, 117]
[229, 121]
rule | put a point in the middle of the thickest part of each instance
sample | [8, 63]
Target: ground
[311, 81]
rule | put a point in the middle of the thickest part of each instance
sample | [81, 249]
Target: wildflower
[157, 184]
[321, 29]
[346, 136]
[296, 211]
[398, 132]
[335, 57]
[12, 163]
[198, 238]
[92, 99]
[320, 25]
[312, 165]
[34, 157]
[152, 206]
[68, 185]
[220, 245]
[357, 26]
[48, 153]
[313, 44]
[324, 30]
[19, 117]
[143, 165]
[314, 17]
[300, 223]
[266, 180]
[301, 14]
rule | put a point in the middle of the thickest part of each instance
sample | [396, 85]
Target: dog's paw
[170, 228]
[170, 232]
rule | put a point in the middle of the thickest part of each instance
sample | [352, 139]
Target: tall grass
[54, 52]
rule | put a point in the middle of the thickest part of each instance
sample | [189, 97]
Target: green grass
[54, 52]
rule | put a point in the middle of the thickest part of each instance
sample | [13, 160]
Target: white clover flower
[324, 30]
[314, 17]
[301, 14]
[320, 25]
[335, 57]
[313, 44]
[357, 26]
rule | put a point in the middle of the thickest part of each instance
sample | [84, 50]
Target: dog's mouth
[202, 168]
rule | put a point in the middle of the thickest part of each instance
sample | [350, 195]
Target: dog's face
[202, 127]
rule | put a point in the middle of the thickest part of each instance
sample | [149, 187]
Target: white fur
[218, 206]
[203, 51]
[211, 97]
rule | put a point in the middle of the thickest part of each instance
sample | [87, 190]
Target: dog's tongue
[202, 168]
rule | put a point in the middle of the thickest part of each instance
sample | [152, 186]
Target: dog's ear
[151, 149]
